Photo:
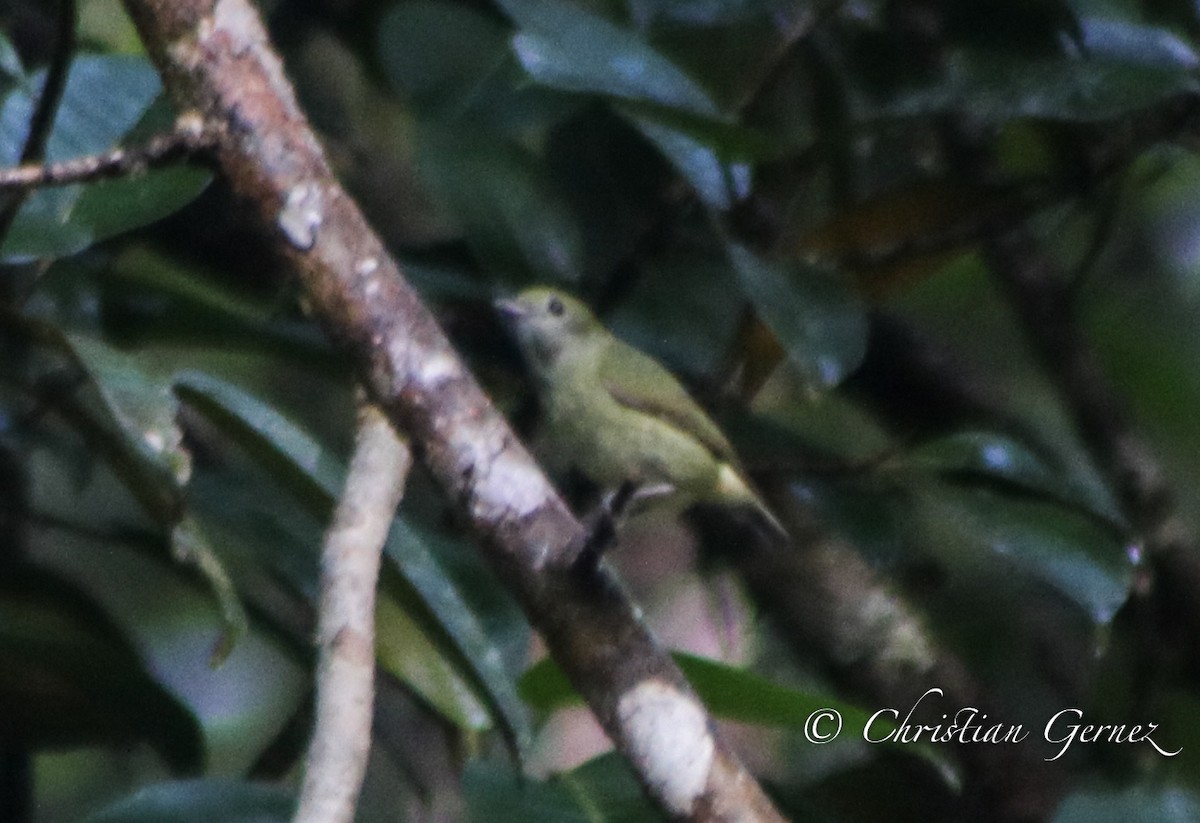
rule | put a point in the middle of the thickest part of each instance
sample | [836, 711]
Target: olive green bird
[619, 416]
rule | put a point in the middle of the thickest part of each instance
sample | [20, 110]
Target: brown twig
[341, 741]
[215, 57]
[186, 141]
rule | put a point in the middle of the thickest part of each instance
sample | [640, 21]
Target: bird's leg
[602, 523]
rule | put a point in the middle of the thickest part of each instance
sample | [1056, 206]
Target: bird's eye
[556, 307]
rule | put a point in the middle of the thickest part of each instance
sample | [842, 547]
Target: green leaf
[1087, 562]
[297, 459]
[407, 652]
[816, 316]
[141, 410]
[406, 547]
[718, 183]
[729, 692]
[566, 47]
[440, 54]
[69, 677]
[518, 223]
[601, 790]
[1006, 461]
[104, 99]
[301, 463]
[200, 801]
[190, 544]
[1143, 803]
[144, 446]
[995, 86]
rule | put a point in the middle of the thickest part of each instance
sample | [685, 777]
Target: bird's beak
[509, 308]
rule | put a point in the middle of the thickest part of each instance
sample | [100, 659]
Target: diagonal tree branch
[214, 57]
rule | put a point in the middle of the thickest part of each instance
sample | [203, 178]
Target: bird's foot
[603, 522]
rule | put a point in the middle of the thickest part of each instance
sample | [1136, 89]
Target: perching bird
[617, 415]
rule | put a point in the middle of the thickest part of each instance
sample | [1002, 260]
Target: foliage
[773, 198]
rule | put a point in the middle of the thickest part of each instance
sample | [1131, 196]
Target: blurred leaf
[566, 47]
[729, 692]
[520, 226]
[603, 790]
[200, 801]
[304, 465]
[440, 54]
[1087, 563]
[406, 547]
[113, 207]
[718, 183]
[681, 311]
[68, 676]
[105, 97]
[816, 316]
[296, 459]
[10, 64]
[145, 447]
[406, 652]
[1144, 803]
[1131, 43]
[143, 409]
[999, 458]
[995, 88]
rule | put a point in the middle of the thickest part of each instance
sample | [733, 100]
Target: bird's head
[548, 323]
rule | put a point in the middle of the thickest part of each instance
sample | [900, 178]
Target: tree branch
[214, 57]
[341, 741]
[188, 139]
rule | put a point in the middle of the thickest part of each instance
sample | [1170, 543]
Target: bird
[619, 416]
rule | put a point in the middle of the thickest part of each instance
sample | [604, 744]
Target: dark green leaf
[728, 692]
[406, 547]
[105, 97]
[200, 801]
[815, 315]
[1145, 804]
[602, 790]
[516, 220]
[1087, 562]
[69, 677]
[999, 458]
[406, 651]
[718, 183]
[563, 46]
[302, 463]
[440, 54]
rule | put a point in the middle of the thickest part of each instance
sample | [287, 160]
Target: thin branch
[188, 140]
[215, 57]
[42, 122]
[341, 741]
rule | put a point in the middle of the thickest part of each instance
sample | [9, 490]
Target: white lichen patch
[301, 215]
[238, 20]
[507, 484]
[667, 734]
[437, 369]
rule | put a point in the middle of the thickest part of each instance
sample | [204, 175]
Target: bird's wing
[637, 381]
